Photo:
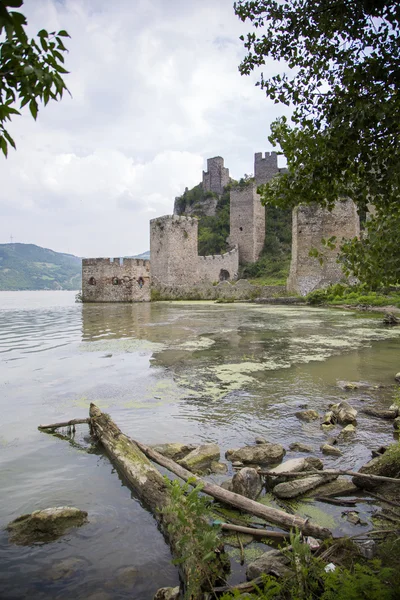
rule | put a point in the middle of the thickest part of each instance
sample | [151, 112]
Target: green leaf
[33, 107]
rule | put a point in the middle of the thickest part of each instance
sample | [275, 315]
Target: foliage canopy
[30, 70]
[343, 60]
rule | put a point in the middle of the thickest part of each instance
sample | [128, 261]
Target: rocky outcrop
[247, 482]
[270, 563]
[45, 525]
[257, 455]
[292, 489]
[200, 460]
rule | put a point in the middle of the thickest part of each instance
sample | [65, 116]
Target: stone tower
[247, 222]
[311, 223]
[265, 167]
[216, 177]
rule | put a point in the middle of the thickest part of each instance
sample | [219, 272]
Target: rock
[329, 418]
[261, 440]
[167, 593]
[326, 427]
[344, 413]
[217, 467]
[237, 464]
[291, 489]
[331, 450]
[297, 464]
[395, 408]
[260, 454]
[45, 525]
[307, 415]
[200, 459]
[174, 451]
[68, 567]
[339, 487]
[346, 431]
[272, 562]
[352, 516]
[247, 482]
[396, 424]
[357, 385]
[397, 377]
[367, 548]
[299, 447]
[227, 485]
[390, 319]
[386, 465]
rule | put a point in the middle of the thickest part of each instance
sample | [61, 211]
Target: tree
[343, 59]
[30, 70]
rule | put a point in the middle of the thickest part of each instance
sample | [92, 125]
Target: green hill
[30, 267]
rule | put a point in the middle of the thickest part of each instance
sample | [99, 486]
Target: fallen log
[272, 515]
[64, 424]
[366, 476]
[151, 488]
[335, 501]
[262, 533]
[381, 414]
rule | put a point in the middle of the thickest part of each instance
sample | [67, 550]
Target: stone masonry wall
[216, 177]
[115, 280]
[265, 167]
[247, 223]
[310, 224]
[218, 267]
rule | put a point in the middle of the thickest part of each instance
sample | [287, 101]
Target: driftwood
[65, 424]
[335, 501]
[263, 533]
[366, 476]
[272, 515]
[247, 586]
[381, 414]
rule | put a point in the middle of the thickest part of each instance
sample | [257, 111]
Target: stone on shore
[342, 486]
[295, 465]
[299, 447]
[174, 451]
[167, 593]
[200, 460]
[386, 465]
[307, 415]
[272, 562]
[45, 525]
[292, 489]
[344, 413]
[257, 455]
[247, 482]
[396, 424]
[331, 450]
[397, 377]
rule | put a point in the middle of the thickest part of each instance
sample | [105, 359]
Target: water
[193, 372]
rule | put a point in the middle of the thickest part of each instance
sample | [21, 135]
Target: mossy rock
[386, 465]
[45, 525]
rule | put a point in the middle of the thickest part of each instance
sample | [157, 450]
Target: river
[172, 371]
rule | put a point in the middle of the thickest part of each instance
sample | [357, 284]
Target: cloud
[155, 91]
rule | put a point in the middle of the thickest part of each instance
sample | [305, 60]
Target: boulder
[167, 593]
[397, 377]
[344, 413]
[200, 460]
[299, 447]
[260, 440]
[396, 424]
[340, 487]
[247, 482]
[307, 415]
[272, 562]
[386, 465]
[297, 487]
[297, 464]
[45, 525]
[174, 451]
[218, 468]
[257, 455]
[331, 450]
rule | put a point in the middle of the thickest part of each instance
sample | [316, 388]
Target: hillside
[30, 267]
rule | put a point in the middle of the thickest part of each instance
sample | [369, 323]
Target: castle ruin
[176, 267]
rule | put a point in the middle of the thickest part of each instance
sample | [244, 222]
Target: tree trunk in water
[149, 486]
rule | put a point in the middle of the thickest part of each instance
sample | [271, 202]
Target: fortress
[177, 271]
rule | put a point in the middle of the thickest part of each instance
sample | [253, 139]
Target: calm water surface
[193, 372]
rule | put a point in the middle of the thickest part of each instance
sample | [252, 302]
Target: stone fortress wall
[311, 224]
[174, 257]
[115, 280]
[216, 177]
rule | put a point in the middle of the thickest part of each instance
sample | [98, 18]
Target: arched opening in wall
[92, 281]
[140, 282]
[241, 228]
[115, 281]
[224, 275]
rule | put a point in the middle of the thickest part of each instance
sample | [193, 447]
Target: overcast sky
[155, 92]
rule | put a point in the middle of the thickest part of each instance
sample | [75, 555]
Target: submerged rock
[247, 482]
[272, 562]
[299, 447]
[344, 413]
[307, 415]
[291, 489]
[331, 450]
[45, 525]
[174, 451]
[201, 459]
[260, 454]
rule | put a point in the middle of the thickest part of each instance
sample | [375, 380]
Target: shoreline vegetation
[303, 557]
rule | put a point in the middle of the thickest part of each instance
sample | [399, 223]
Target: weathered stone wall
[265, 167]
[240, 291]
[115, 280]
[216, 177]
[310, 225]
[247, 223]
[174, 258]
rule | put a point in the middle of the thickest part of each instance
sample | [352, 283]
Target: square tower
[247, 222]
[216, 177]
[265, 167]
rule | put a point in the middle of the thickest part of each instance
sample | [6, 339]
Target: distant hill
[144, 255]
[30, 267]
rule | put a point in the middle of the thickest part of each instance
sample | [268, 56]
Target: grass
[341, 294]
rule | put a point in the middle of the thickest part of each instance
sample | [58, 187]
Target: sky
[155, 91]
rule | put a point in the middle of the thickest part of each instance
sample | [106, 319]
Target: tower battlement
[265, 167]
[216, 177]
